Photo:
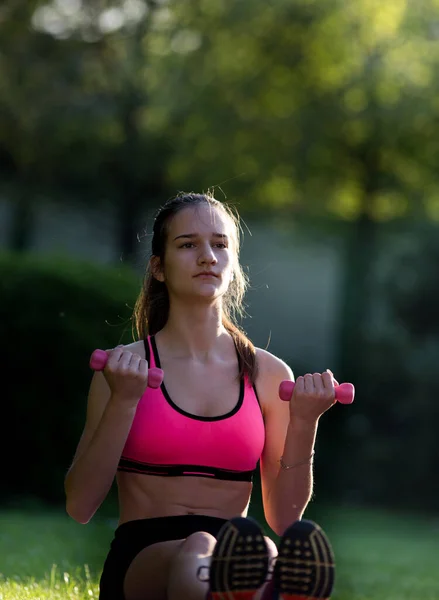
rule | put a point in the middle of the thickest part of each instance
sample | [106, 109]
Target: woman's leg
[193, 554]
[168, 570]
[147, 576]
[171, 570]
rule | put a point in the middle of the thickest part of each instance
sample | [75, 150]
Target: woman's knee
[201, 543]
[192, 558]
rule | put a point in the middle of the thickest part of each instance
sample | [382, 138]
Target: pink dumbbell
[99, 359]
[344, 392]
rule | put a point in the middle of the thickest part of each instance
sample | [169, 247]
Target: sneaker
[239, 565]
[304, 568]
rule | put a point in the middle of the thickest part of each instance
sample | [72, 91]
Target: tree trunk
[359, 258]
[22, 222]
[360, 255]
[134, 194]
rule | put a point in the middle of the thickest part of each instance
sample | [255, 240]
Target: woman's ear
[156, 268]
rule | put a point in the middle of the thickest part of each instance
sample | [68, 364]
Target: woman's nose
[207, 255]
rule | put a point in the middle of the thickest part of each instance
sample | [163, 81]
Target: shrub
[54, 313]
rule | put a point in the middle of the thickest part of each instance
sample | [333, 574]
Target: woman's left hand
[312, 396]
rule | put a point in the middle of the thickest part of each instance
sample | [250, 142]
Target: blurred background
[318, 121]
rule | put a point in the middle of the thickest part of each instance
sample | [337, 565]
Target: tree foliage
[303, 102]
[296, 105]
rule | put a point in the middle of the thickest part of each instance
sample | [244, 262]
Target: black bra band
[133, 466]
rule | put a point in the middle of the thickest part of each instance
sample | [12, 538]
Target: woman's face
[200, 253]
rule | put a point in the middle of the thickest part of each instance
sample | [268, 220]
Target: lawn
[380, 556]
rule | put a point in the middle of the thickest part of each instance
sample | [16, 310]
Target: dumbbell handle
[99, 359]
[344, 392]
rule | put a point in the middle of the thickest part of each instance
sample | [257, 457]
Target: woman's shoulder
[271, 366]
[272, 370]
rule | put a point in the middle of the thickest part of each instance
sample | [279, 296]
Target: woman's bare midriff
[149, 496]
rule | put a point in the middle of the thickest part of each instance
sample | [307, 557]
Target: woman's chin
[211, 292]
[207, 287]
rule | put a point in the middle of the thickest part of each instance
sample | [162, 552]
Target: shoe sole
[305, 566]
[239, 564]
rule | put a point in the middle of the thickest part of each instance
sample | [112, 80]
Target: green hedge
[54, 313]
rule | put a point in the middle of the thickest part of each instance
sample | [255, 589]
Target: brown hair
[152, 306]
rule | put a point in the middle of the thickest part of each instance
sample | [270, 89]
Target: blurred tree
[72, 100]
[316, 110]
[25, 114]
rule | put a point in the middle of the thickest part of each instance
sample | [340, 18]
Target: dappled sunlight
[380, 22]
[432, 206]
[346, 201]
[389, 205]
[63, 18]
[280, 187]
[298, 82]
[356, 99]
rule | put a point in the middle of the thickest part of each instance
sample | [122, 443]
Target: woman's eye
[191, 245]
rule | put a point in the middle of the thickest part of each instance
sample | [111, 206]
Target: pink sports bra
[167, 441]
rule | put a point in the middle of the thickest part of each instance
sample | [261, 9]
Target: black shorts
[132, 537]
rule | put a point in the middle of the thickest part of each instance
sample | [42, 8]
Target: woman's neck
[200, 338]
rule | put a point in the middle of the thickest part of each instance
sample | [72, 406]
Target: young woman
[184, 454]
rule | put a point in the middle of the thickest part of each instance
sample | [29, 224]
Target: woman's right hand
[127, 375]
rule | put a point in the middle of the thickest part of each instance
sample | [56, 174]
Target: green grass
[384, 556]
[46, 555]
[380, 556]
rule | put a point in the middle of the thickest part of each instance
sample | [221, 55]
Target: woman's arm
[292, 488]
[110, 413]
[94, 465]
[286, 492]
